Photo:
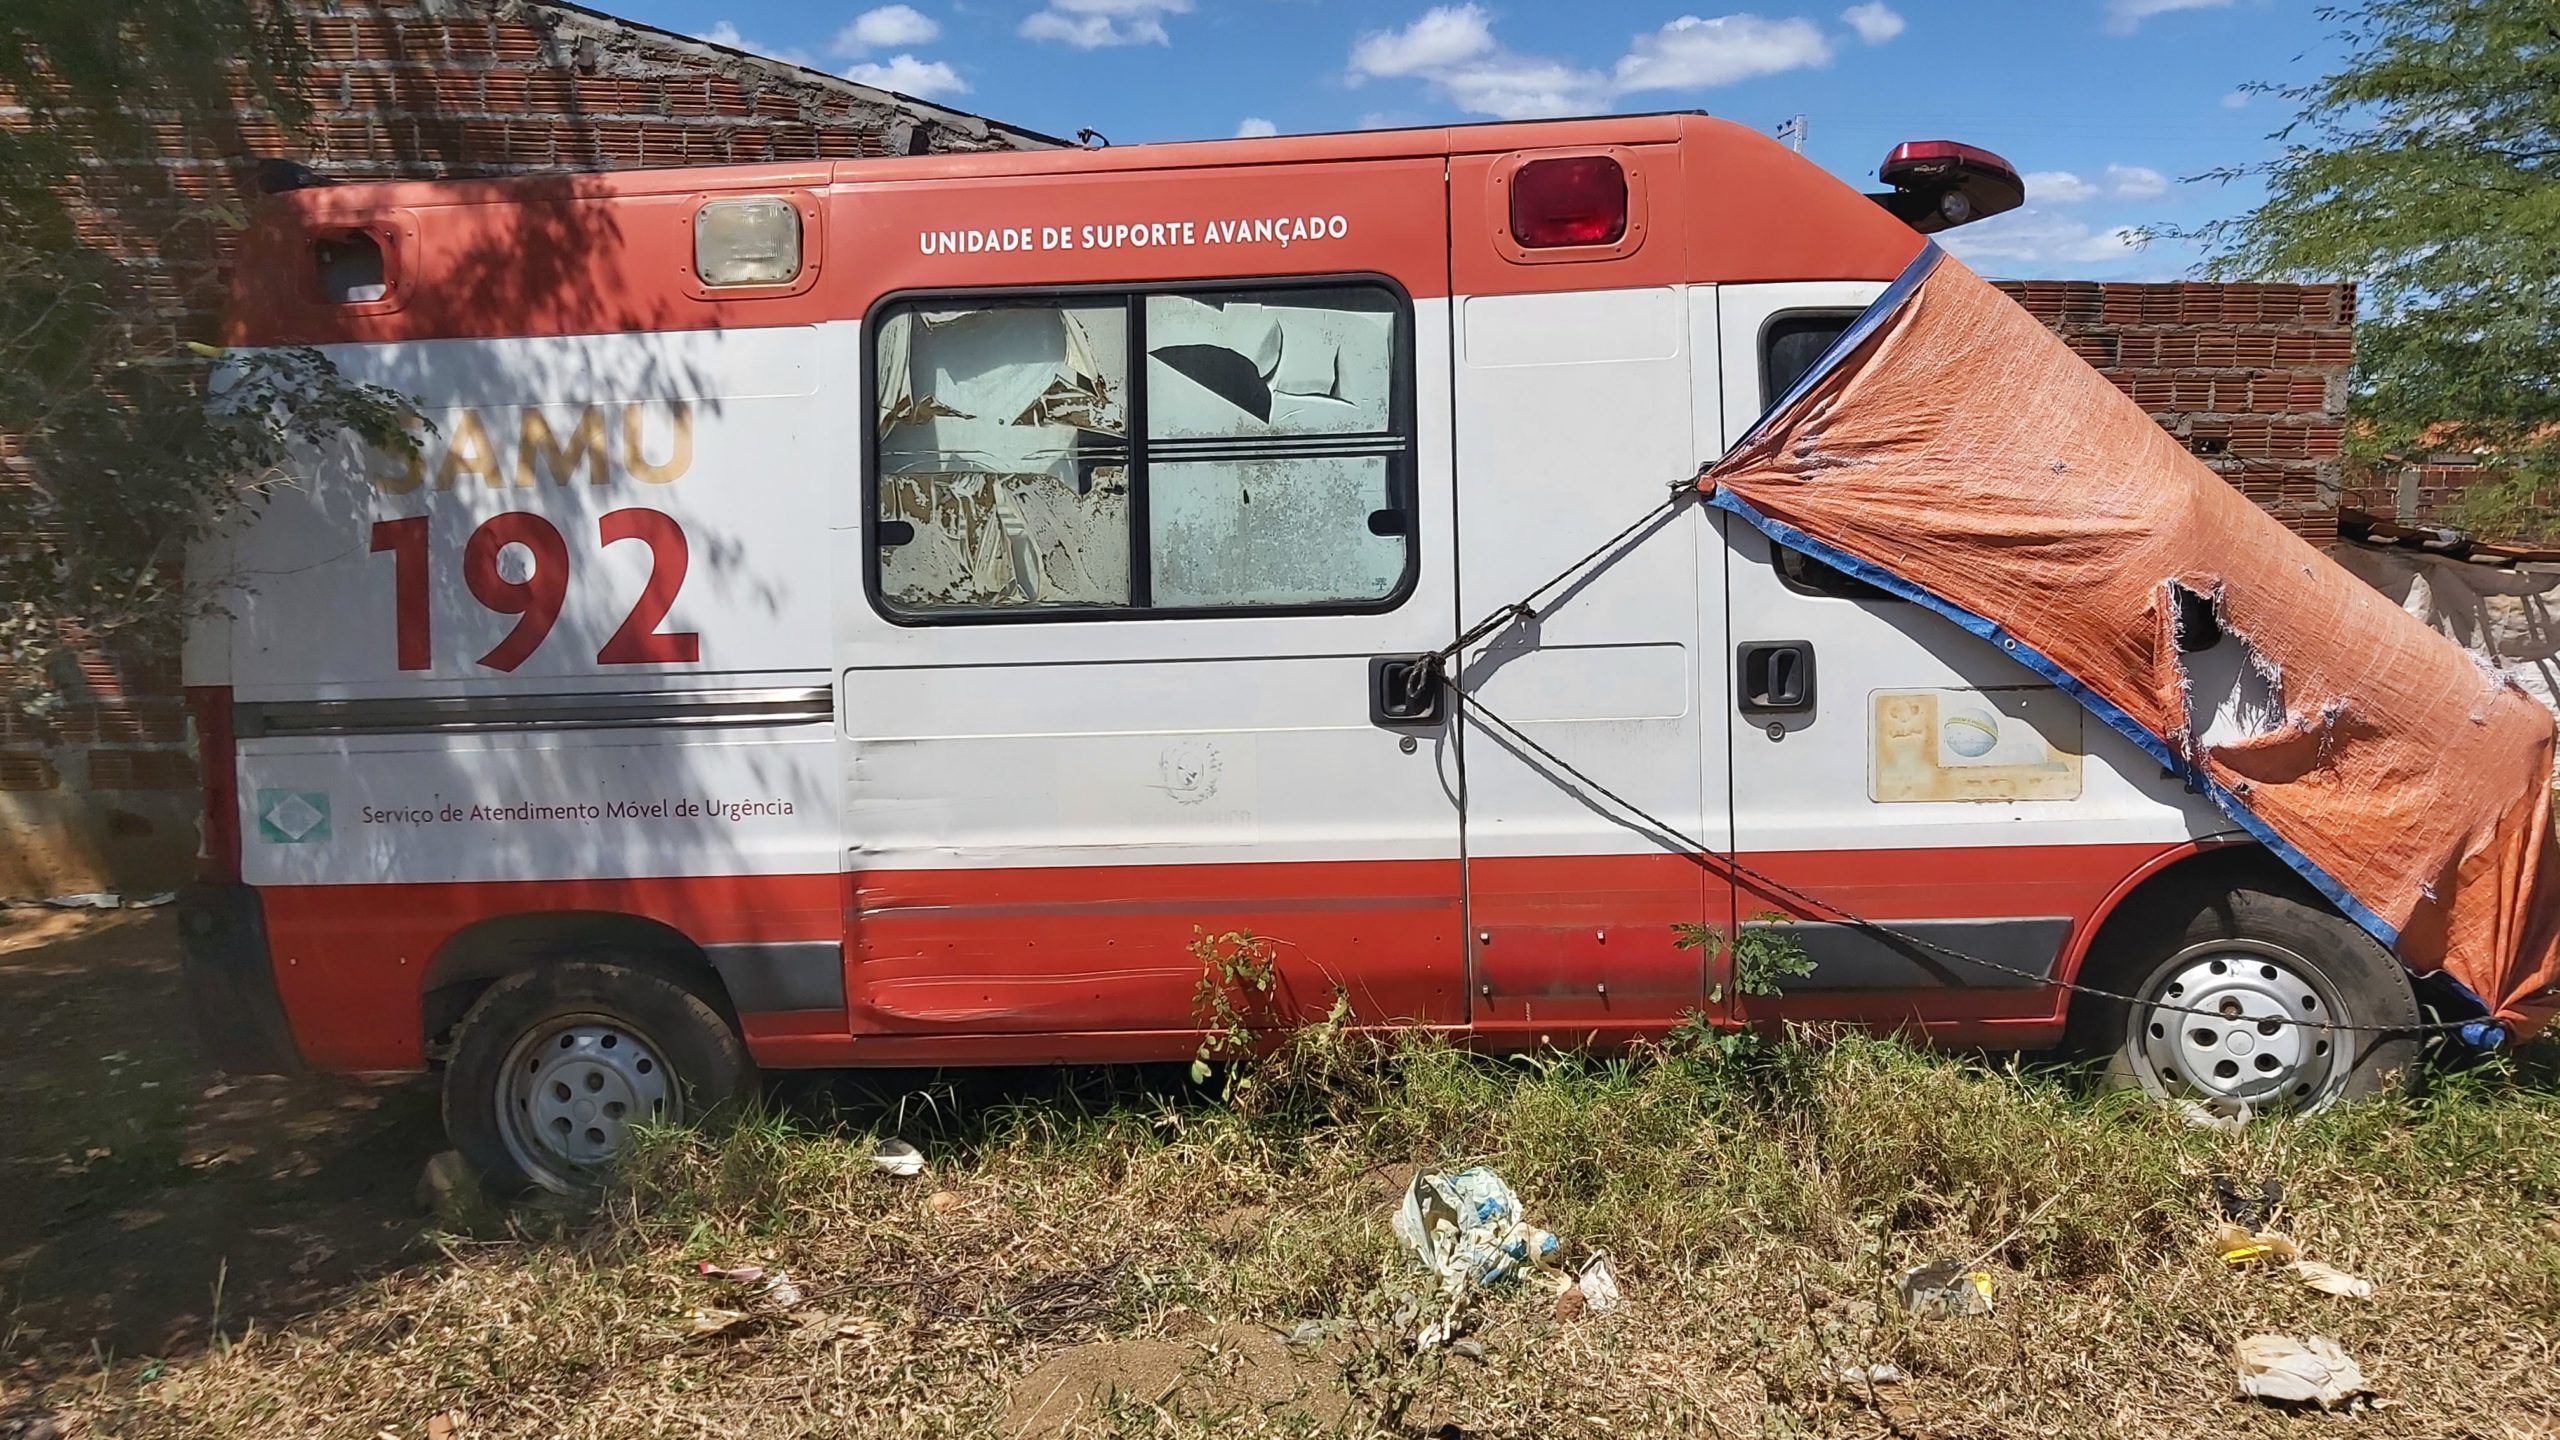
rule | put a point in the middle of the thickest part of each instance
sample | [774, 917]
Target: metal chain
[1708, 857]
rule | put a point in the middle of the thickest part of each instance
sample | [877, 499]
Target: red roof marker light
[1569, 200]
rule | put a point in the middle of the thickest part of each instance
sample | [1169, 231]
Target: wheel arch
[486, 951]
[2215, 863]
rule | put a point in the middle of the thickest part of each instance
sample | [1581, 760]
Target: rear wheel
[554, 1066]
[2250, 999]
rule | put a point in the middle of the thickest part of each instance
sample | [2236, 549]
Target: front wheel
[2249, 1000]
[555, 1065]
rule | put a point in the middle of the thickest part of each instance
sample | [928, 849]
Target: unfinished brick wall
[102, 794]
[2252, 377]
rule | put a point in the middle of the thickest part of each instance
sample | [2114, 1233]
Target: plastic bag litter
[1467, 1229]
[897, 1157]
[1945, 1290]
[2330, 1280]
[2309, 1371]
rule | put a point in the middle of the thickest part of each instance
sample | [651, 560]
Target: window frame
[1769, 392]
[1866, 593]
[1403, 466]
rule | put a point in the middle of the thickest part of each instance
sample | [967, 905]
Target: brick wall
[102, 793]
[2252, 377]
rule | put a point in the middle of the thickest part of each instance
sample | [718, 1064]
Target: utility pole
[1793, 133]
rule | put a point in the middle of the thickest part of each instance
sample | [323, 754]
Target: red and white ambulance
[883, 612]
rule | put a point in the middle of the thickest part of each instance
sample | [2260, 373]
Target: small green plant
[1764, 959]
[1239, 972]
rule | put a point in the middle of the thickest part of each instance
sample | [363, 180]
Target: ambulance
[909, 611]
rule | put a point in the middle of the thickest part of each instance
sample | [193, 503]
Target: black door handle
[1406, 690]
[1774, 677]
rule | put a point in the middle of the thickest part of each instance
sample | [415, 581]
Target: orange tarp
[1955, 450]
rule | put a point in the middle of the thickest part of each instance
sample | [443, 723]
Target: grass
[1758, 1208]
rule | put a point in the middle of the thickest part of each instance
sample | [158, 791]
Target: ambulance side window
[1789, 345]
[1274, 452]
[1003, 459]
[1176, 452]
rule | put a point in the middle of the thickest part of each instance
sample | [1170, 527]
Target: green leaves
[2427, 170]
[128, 434]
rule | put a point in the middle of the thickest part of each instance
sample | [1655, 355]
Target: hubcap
[2251, 1030]
[575, 1086]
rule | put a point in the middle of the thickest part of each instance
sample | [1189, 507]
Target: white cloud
[726, 33]
[2118, 182]
[1445, 35]
[1452, 48]
[1092, 24]
[888, 28]
[2136, 182]
[2236, 100]
[2029, 239]
[924, 79]
[1254, 127]
[1875, 22]
[1692, 54]
[1525, 88]
[2059, 187]
[2126, 16]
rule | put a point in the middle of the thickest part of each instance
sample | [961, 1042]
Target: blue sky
[2106, 104]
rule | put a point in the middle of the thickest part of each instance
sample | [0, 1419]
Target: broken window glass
[1004, 456]
[1272, 448]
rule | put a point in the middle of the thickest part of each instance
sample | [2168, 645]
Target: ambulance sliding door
[1132, 546]
[1886, 761]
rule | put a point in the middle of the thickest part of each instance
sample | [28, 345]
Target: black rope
[1708, 857]
[1525, 609]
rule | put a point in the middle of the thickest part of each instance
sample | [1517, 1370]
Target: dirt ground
[147, 1204]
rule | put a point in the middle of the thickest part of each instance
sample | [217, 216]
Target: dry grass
[1759, 1211]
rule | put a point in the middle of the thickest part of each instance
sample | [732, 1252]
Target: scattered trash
[708, 1322]
[2330, 1280]
[2240, 1245]
[943, 1202]
[772, 1284]
[2200, 1116]
[1869, 1377]
[897, 1157]
[2256, 1212]
[442, 1426]
[1468, 1350]
[1946, 1290]
[87, 900]
[1598, 1283]
[2309, 1371]
[1466, 1228]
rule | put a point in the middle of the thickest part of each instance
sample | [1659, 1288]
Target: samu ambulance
[886, 613]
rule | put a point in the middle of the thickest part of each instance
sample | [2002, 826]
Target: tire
[553, 1065]
[2263, 952]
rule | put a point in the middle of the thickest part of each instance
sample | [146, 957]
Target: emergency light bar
[1940, 184]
